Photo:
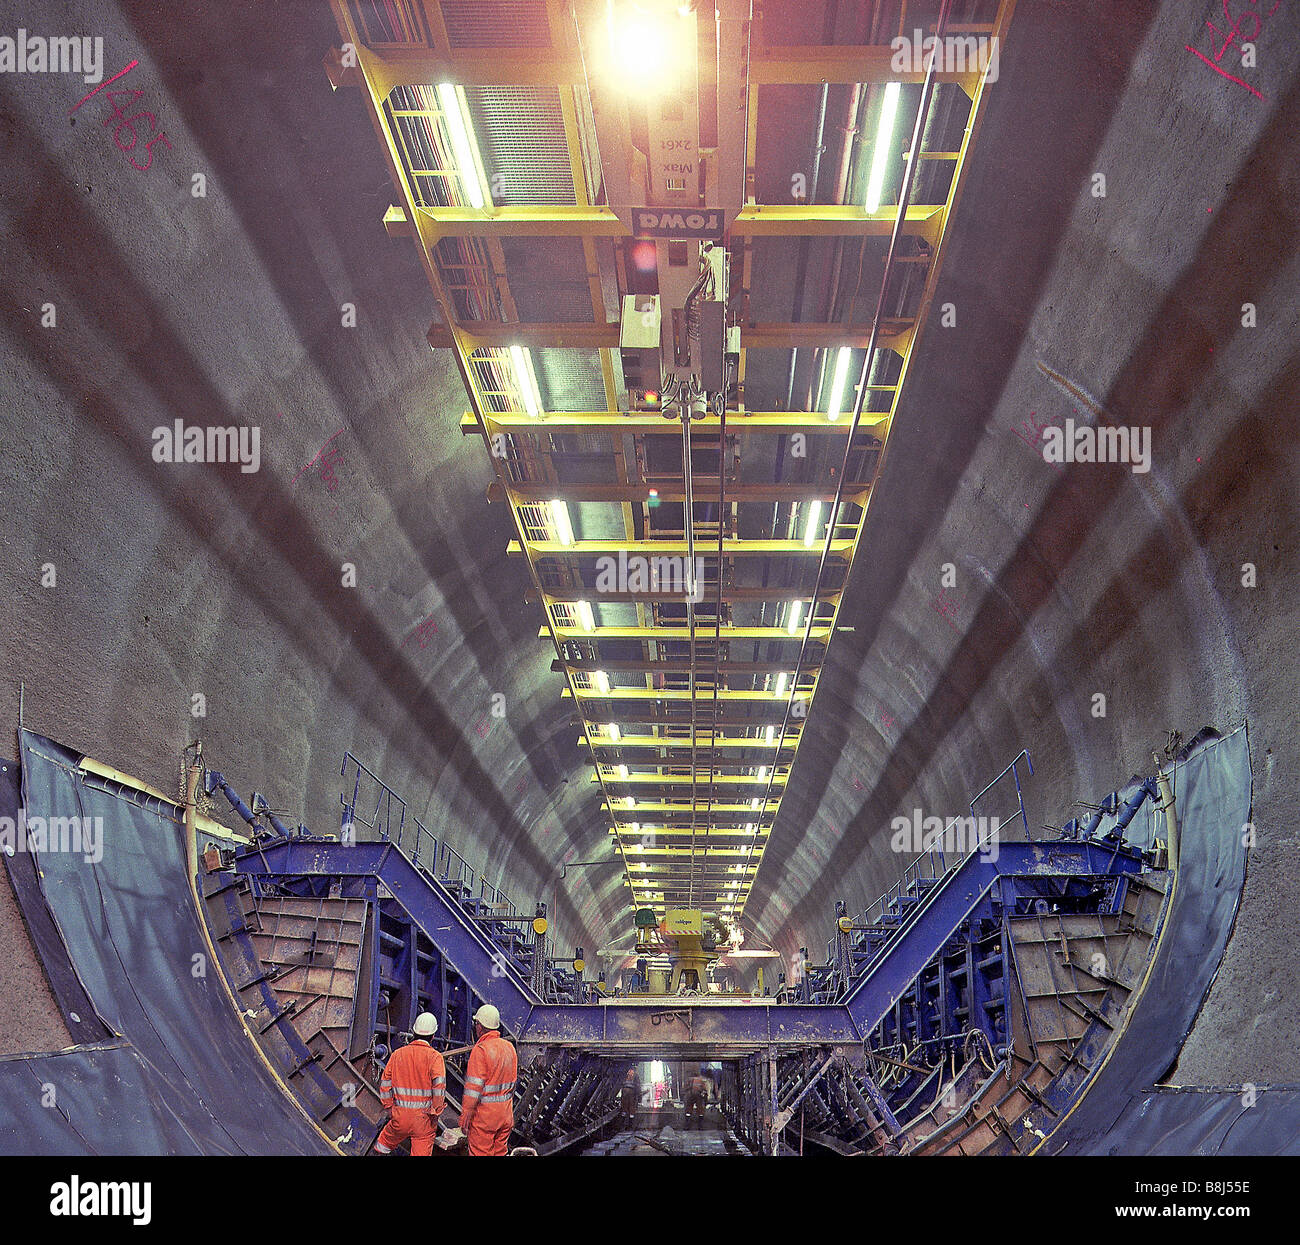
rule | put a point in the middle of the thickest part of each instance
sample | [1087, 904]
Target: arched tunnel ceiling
[177, 581]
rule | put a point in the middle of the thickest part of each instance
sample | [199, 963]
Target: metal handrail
[432, 855]
[936, 858]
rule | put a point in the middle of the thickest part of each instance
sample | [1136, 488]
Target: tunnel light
[762, 773]
[601, 680]
[622, 771]
[752, 828]
[585, 616]
[884, 136]
[781, 680]
[810, 531]
[613, 732]
[462, 145]
[629, 801]
[792, 622]
[771, 733]
[526, 380]
[755, 802]
[839, 383]
[560, 522]
[644, 46]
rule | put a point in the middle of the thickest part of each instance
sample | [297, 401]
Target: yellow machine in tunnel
[692, 939]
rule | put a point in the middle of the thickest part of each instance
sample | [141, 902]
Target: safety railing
[934, 864]
[1020, 798]
[375, 807]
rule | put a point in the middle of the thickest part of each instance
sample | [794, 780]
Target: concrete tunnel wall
[176, 580]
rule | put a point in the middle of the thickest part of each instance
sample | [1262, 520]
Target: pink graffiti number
[128, 123]
[1234, 35]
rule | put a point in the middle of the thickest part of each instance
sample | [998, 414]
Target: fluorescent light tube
[560, 521]
[884, 136]
[522, 363]
[839, 383]
[462, 146]
[810, 531]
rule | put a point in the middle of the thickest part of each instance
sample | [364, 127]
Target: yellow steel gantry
[722, 769]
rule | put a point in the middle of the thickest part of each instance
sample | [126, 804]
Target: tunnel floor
[663, 1133]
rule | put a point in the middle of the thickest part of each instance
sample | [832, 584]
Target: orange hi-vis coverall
[413, 1089]
[487, 1113]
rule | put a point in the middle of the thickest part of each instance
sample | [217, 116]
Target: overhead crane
[652, 195]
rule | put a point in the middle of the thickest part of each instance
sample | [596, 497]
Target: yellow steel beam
[704, 740]
[636, 812]
[792, 220]
[619, 423]
[584, 335]
[819, 634]
[752, 592]
[704, 487]
[729, 853]
[732, 547]
[682, 693]
[704, 815]
[769, 66]
[844, 63]
[640, 778]
[555, 220]
[394, 67]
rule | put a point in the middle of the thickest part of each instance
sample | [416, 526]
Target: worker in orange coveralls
[487, 1113]
[413, 1089]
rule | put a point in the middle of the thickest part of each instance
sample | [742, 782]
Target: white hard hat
[426, 1025]
[488, 1016]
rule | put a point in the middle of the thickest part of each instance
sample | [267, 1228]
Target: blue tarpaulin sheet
[180, 1074]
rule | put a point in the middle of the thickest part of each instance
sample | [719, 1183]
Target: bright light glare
[880, 156]
[771, 735]
[614, 733]
[839, 381]
[622, 771]
[781, 680]
[640, 48]
[524, 381]
[560, 521]
[461, 147]
[601, 680]
[812, 527]
[792, 622]
[585, 616]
